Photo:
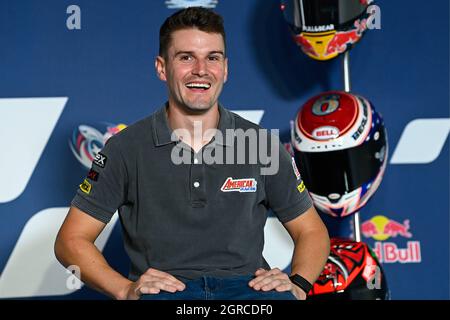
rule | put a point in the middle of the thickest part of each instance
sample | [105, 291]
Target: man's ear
[160, 66]
[225, 71]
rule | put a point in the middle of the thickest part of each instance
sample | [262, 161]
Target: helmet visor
[311, 13]
[335, 173]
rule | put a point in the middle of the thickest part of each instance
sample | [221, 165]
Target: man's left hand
[275, 279]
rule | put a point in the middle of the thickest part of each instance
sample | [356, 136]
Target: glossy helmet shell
[352, 272]
[340, 147]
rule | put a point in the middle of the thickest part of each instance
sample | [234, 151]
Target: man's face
[195, 69]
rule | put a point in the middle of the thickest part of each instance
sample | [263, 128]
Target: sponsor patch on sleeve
[294, 166]
[301, 187]
[100, 160]
[93, 175]
[86, 186]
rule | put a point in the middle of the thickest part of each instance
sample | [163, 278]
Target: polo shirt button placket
[197, 179]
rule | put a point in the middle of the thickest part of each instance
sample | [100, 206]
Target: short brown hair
[194, 17]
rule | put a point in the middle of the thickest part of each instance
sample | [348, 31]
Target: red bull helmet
[340, 146]
[326, 28]
[352, 272]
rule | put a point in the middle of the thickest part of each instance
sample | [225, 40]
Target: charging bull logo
[381, 228]
[343, 39]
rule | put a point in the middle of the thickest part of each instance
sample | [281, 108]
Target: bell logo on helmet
[326, 105]
[325, 133]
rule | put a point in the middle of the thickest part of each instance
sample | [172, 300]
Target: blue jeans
[211, 288]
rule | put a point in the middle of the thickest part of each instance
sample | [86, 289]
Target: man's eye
[214, 58]
[186, 58]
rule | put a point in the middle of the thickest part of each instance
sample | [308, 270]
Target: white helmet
[340, 145]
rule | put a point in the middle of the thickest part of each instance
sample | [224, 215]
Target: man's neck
[197, 125]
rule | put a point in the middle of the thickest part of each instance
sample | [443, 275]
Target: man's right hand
[152, 282]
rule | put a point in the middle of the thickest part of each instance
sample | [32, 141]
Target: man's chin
[198, 108]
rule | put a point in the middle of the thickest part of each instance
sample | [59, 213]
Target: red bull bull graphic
[328, 45]
[381, 228]
[342, 39]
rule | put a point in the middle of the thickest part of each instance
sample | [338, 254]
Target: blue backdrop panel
[106, 72]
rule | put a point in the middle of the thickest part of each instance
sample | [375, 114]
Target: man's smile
[198, 86]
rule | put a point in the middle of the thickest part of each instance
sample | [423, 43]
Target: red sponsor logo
[389, 252]
[93, 175]
[342, 39]
[325, 133]
[381, 229]
[239, 185]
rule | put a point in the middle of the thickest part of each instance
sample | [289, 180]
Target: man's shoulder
[242, 123]
[136, 133]
[136, 130]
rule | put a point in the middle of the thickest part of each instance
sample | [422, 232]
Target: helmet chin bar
[326, 29]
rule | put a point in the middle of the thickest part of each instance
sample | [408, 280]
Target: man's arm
[74, 245]
[312, 247]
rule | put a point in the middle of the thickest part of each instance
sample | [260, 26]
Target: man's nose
[200, 67]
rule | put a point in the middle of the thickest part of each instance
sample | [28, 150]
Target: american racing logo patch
[93, 175]
[100, 160]
[294, 166]
[86, 186]
[239, 185]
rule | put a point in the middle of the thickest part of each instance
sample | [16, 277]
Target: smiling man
[193, 230]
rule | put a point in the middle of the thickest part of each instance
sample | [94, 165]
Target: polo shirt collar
[162, 132]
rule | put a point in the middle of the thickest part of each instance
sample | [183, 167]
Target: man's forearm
[310, 255]
[94, 269]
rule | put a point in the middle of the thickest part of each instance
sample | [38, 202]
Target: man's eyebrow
[192, 52]
[217, 52]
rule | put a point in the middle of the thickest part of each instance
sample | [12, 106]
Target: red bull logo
[382, 228]
[342, 39]
[325, 45]
[389, 252]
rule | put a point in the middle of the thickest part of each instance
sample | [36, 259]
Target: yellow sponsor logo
[301, 187]
[86, 186]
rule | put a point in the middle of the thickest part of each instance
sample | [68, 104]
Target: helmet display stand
[347, 88]
[340, 146]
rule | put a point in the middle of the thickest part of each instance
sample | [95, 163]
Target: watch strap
[301, 282]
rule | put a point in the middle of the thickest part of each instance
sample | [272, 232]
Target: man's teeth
[194, 85]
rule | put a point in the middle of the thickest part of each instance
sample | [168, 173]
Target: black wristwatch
[301, 282]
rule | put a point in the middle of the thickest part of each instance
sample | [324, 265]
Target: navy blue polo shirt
[195, 218]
